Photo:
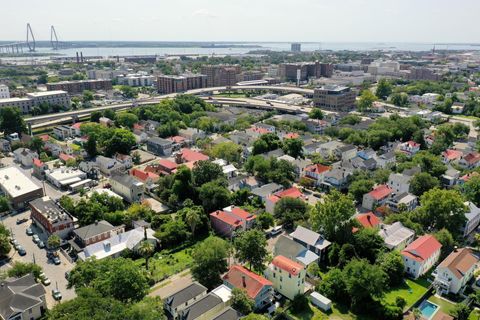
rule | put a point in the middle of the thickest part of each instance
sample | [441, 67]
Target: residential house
[377, 197]
[453, 273]
[106, 122]
[162, 167]
[5, 145]
[403, 201]
[22, 298]
[336, 178]
[75, 129]
[53, 148]
[148, 178]
[293, 192]
[192, 134]
[39, 169]
[96, 232]
[472, 218]
[410, 148]
[299, 164]
[451, 156]
[109, 166]
[230, 220]
[286, 246]
[124, 159]
[63, 132]
[160, 146]
[228, 170]
[329, 149]
[396, 236]
[259, 289]
[265, 191]
[183, 298]
[287, 276]
[450, 178]
[179, 142]
[116, 244]
[367, 220]
[386, 160]
[345, 152]
[316, 172]
[470, 160]
[64, 158]
[420, 255]
[190, 156]
[203, 309]
[51, 217]
[128, 187]
[25, 157]
[316, 126]
[399, 183]
[312, 240]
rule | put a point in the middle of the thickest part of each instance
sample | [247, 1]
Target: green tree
[360, 187]
[150, 308]
[5, 246]
[429, 163]
[422, 182]
[251, 247]
[316, 113]
[128, 92]
[293, 147]
[19, 269]
[471, 189]
[136, 158]
[122, 141]
[206, 171]
[126, 119]
[228, 151]
[442, 209]
[290, 210]
[214, 196]
[367, 98]
[266, 142]
[11, 121]
[333, 217]
[110, 114]
[53, 241]
[392, 264]
[400, 99]
[446, 239]
[368, 243]
[241, 302]
[4, 204]
[95, 116]
[36, 144]
[146, 249]
[87, 96]
[210, 261]
[265, 220]
[384, 89]
[193, 218]
[461, 311]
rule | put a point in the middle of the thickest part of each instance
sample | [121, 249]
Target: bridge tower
[30, 42]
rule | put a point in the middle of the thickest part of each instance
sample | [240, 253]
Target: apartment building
[305, 70]
[221, 75]
[4, 92]
[172, 84]
[77, 87]
[52, 98]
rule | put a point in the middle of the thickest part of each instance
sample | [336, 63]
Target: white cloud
[205, 13]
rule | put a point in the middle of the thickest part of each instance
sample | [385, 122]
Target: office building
[24, 104]
[221, 75]
[422, 74]
[296, 47]
[4, 92]
[18, 188]
[141, 79]
[77, 87]
[304, 70]
[335, 98]
[173, 84]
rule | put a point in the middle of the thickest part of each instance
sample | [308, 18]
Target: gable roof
[318, 168]
[189, 155]
[19, 295]
[380, 192]
[293, 192]
[291, 249]
[472, 157]
[226, 218]
[93, 229]
[239, 277]
[368, 220]
[309, 237]
[202, 306]
[288, 265]
[459, 262]
[144, 175]
[422, 248]
[452, 154]
[183, 295]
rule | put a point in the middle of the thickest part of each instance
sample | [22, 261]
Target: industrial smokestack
[78, 60]
[81, 56]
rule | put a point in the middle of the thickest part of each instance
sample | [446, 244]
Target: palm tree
[146, 249]
[53, 241]
[192, 218]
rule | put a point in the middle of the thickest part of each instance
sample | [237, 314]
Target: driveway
[56, 274]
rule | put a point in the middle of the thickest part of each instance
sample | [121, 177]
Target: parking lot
[56, 273]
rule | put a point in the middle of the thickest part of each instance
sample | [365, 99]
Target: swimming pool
[428, 309]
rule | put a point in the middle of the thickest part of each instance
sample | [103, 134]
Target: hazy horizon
[313, 21]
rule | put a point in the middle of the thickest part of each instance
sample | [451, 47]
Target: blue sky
[245, 20]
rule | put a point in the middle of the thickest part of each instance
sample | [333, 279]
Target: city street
[55, 273]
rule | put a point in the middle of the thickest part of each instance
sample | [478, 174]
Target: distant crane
[53, 38]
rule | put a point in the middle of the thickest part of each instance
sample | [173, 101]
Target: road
[55, 273]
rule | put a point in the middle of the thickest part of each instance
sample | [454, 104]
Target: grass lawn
[410, 290]
[444, 305]
[163, 264]
[338, 312]
[475, 315]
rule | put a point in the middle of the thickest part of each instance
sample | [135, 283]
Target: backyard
[338, 312]
[410, 290]
[444, 305]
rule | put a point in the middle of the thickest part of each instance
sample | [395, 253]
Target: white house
[400, 183]
[25, 156]
[396, 236]
[377, 197]
[420, 255]
[473, 218]
[287, 276]
[453, 273]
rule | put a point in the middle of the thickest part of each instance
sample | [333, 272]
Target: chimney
[244, 283]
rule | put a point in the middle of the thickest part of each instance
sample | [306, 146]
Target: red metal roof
[241, 278]
[225, 217]
[452, 154]
[143, 175]
[422, 248]
[293, 192]
[318, 168]
[472, 157]
[368, 220]
[189, 155]
[243, 214]
[37, 162]
[380, 192]
[65, 157]
[288, 265]
[167, 164]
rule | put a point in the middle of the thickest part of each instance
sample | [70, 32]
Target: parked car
[56, 260]
[46, 281]
[56, 294]
[21, 251]
[29, 231]
[35, 238]
[13, 241]
[17, 245]
[67, 274]
[41, 244]
[21, 220]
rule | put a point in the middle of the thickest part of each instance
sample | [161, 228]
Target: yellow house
[287, 276]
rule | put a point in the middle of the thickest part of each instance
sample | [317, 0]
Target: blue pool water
[427, 309]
